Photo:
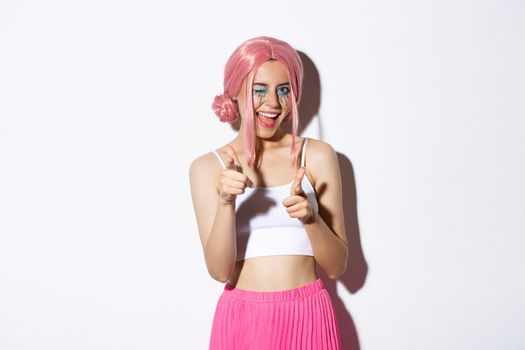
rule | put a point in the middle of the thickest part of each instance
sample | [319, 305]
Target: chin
[265, 133]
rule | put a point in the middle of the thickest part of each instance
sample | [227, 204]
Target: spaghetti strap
[220, 159]
[303, 156]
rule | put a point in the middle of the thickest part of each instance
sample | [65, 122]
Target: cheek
[284, 100]
[256, 104]
[284, 104]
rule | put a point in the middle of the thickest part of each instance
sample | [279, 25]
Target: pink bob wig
[243, 64]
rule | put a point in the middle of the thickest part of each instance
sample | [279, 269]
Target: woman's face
[271, 98]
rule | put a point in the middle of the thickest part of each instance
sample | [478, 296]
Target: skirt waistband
[273, 296]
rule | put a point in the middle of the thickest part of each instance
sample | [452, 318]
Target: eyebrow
[287, 83]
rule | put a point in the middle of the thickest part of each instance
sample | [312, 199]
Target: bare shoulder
[201, 163]
[321, 158]
[317, 149]
[204, 169]
[204, 162]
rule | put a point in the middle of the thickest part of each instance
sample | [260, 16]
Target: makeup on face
[260, 90]
[267, 117]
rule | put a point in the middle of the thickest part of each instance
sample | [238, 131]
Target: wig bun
[225, 108]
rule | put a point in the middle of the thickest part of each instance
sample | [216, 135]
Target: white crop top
[262, 224]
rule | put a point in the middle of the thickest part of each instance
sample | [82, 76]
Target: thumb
[296, 186]
[233, 160]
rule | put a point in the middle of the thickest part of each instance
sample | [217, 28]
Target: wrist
[311, 220]
[223, 203]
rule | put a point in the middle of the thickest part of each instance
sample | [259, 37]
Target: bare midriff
[274, 273]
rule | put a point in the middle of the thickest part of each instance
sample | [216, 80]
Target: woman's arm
[215, 219]
[327, 231]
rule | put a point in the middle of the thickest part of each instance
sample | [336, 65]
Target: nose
[272, 99]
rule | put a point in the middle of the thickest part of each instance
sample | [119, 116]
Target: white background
[104, 104]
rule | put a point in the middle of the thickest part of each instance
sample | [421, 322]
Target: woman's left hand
[297, 205]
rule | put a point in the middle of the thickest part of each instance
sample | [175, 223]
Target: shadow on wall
[355, 275]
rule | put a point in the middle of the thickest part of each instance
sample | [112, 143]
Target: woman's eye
[283, 91]
[259, 91]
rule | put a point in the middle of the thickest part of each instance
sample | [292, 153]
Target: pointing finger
[235, 164]
[296, 186]
[232, 159]
[230, 163]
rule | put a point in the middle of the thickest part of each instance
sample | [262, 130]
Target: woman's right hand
[232, 181]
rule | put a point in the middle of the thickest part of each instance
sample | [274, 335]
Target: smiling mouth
[267, 120]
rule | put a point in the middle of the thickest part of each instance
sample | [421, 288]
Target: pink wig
[244, 63]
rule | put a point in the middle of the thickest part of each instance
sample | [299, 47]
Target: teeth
[268, 115]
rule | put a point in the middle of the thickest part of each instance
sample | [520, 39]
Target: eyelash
[262, 92]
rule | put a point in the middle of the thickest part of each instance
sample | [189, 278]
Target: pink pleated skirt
[300, 318]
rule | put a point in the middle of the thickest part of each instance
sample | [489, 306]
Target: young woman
[269, 208]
